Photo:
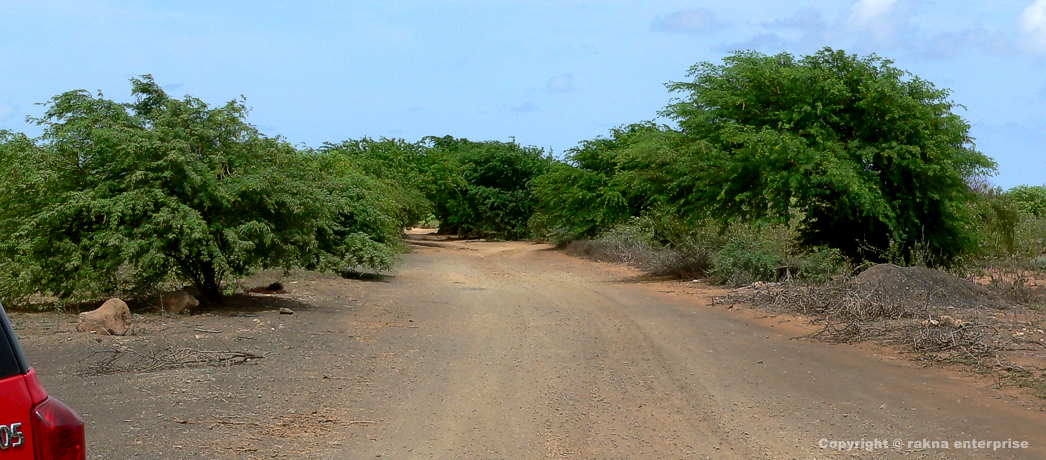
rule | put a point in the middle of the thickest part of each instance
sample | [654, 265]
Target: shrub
[997, 218]
[743, 261]
[1029, 199]
[399, 168]
[864, 153]
[1038, 263]
[605, 182]
[1030, 236]
[820, 265]
[637, 244]
[660, 243]
[490, 193]
[118, 197]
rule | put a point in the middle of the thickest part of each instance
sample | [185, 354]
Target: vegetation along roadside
[760, 169]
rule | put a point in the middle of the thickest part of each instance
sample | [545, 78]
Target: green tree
[865, 156]
[607, 180]
[1029, 199]
[487, 191]
[360, 222]
[399, 166]
[118, 197]
[998, 216]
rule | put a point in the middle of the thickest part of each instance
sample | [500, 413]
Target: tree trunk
[211, 287]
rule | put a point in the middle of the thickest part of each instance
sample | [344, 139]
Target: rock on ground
[176, 302]
[113, 317]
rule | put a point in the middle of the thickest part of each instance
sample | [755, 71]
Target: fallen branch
[125, 359]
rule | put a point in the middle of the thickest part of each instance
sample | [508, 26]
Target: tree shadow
[259, 299]
[366, 276]
[246, 303]
[646, 278]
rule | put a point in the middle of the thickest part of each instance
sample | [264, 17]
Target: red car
[33, 426]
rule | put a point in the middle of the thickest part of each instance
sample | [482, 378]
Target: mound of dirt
[926, 287]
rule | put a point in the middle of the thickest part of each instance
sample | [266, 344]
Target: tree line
[850, 155]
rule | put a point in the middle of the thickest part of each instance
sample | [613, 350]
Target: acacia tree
[487, 191]
[607, 180]
[117, 197]
[1029, 199]
[870, 159]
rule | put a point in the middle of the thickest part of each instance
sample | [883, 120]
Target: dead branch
[125, 359]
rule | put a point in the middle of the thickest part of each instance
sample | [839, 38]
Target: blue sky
[547, 73]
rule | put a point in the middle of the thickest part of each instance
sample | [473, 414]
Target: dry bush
[1011, 281]
[839, 301]
[931, 313]
[968, 340]
[658, 261]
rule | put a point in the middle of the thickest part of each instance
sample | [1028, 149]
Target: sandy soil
[512, 350]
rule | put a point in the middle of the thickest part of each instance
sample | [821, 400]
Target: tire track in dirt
[512, 351]
[538, 355]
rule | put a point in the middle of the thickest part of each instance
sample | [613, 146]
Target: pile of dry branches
[122, 358]
[852, 313]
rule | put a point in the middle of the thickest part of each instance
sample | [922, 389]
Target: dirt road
[477, 350]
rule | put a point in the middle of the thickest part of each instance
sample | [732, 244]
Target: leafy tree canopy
[400, 167]
[868, 158]
[607, 180]
[119, 197]
[488, 191]
[1029, 199]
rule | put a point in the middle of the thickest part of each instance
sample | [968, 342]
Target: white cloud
[7, 110]
[887, 27]
[1033, 23]
[868, 11]
[877, 22]
[561, 84]
[698, 22]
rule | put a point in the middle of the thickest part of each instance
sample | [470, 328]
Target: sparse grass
[1011, 279]
[1025, 378]
[643, 254]
[942, 322]
[663, 246]
[744, 261]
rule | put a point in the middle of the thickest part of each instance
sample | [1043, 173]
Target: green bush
[115, 198]
[400, 168]
[1030, 236]
[820, 265]
[850, 152]
[1029, 199]
[997, 217]
[360, 223]
[1038, 263]
[863, 153]
[604, 182]
[489, 194]
[743, 261]
[1010, 229]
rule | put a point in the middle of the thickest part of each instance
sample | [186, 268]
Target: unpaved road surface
[479, 350]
